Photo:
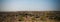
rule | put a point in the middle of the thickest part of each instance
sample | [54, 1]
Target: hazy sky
[28, 5]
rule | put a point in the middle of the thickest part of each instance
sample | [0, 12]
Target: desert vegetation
[30, 16]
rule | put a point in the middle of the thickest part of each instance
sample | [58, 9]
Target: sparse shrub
[57, 18]
[21, 18]
[43, 18]
[37, 16]
[33, 18]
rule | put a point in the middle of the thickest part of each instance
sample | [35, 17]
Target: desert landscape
[30, 16]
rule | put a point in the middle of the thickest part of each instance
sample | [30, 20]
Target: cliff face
[28, 15]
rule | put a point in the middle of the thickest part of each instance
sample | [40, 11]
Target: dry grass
[27, 16]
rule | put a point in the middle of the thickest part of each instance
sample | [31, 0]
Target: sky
[29, 5]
